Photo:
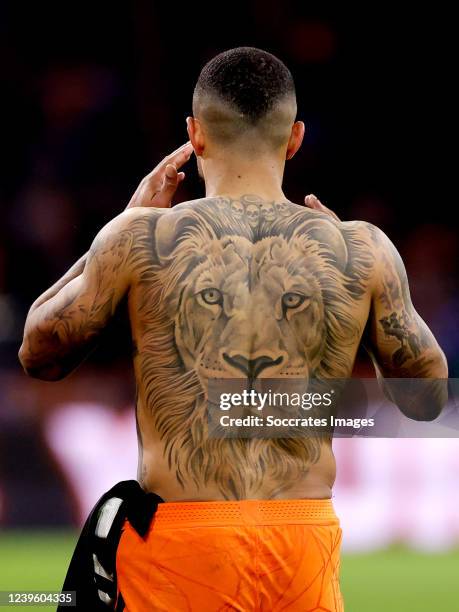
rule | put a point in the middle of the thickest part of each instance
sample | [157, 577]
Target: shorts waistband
[250, 511]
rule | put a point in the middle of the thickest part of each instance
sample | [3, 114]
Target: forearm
[49, 332]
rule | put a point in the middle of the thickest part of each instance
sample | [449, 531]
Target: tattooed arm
[64, 323]
[399, 341]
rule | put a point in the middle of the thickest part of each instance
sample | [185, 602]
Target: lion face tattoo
[249, 312]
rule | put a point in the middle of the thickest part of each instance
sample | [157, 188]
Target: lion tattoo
[232, 298]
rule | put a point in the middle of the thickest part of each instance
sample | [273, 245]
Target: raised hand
[158, 187]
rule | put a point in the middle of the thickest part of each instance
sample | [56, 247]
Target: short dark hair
[250, 80]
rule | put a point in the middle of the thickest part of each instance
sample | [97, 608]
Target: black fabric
[139, 508]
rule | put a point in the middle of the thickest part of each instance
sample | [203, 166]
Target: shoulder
[371, 236]
[136, 235]
[132, 221]
[371, 231]
[138, 214]
[361, 234]
[363, 228]
[117, 242]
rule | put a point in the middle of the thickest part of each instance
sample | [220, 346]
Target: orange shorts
[243, 555]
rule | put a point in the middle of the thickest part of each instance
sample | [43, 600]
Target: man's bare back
[229, 288]
[226, 288]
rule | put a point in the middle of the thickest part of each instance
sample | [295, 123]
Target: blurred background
[93, 97]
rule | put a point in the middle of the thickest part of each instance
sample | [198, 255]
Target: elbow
[444, 372]
[435, 390]
[24, 359]
[428, 403]
[425, 414]
[35, 367]
[420, 399]
[436, 365]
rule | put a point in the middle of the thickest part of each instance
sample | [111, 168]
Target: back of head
[245, 94]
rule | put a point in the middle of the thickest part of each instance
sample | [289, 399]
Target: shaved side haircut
[245, 93]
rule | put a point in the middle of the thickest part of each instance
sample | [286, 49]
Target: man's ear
[196, 134]
[295, 140]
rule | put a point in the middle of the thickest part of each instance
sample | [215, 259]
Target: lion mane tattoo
[258, 290]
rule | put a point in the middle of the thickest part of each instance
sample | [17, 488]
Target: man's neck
[235, 177]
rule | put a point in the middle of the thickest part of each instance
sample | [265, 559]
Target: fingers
[311, 201]
[172, 178]
[177, 158]
[180, 156]
[159, 186]
[170, 181]
[170, 174]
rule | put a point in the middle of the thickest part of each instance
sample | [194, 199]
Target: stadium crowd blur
[94, 98]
